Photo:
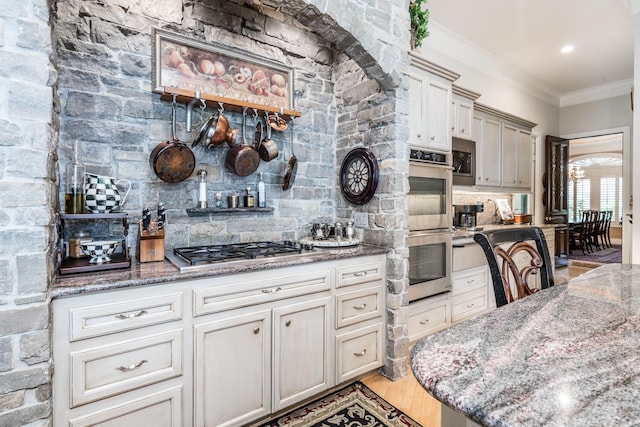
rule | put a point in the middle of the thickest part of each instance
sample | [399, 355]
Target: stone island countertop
[163, 271]
[566, 356]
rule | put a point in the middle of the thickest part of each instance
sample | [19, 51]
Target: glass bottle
[74, 188]
[262, 197]
[202, 189]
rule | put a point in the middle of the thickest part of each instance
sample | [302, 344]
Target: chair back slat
[510, 280]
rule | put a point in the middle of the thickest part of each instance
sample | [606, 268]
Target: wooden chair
[605, 232]
[513, 259]
[579, 235]
[598, 225]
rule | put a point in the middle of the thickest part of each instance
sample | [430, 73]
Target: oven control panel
[429, 157]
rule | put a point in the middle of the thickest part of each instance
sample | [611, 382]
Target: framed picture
[212, 69]
[505, 210]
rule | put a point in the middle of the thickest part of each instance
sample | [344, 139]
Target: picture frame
[505, 210]
[220, 71]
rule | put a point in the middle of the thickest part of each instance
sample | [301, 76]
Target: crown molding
[420, 62]
[596, 93]
[502, 115]
[457, 90]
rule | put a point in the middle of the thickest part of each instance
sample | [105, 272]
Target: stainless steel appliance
[207, 256]
[430, 222]
[429, 191]
[429, 263]
[463, 153]
[466, 216]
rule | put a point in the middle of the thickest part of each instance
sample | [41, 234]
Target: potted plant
[419, 20]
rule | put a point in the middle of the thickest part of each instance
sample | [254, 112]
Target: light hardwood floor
[408, 395]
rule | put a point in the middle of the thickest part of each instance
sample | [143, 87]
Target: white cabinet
[359, 333]
[488, 152]
[223, 351]
[462, 125]
[430, 89]
[233, 365]
[119, 359]
[517, 157]
[301, 351]
[504, 149]
[525, 158]
[470, 293]
[429, 315]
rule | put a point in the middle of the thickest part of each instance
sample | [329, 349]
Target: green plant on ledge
[419, 22]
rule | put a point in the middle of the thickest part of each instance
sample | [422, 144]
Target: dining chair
[515, 256]
[579, 235]
[605, 232]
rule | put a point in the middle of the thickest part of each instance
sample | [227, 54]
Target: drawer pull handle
[360, 273]
[360, 307]
[131, 315]
[132, 367]
[362, 353]
[424, 322]
[270, 291]
[471, 280]
[287, 323]
[256, 330]
[470, 305]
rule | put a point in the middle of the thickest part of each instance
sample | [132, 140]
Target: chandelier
[575, 173]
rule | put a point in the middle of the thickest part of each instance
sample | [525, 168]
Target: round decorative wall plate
[359, 176]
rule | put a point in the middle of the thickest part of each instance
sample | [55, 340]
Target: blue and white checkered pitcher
[101, 194]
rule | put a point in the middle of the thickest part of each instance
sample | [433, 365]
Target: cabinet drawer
[112, 369]
[361, 273]
[359, 351]
[473, 278]
[237, 294]
[429, 317]
[354, 307]
[162, 409]
[469, 304]
[101, 319]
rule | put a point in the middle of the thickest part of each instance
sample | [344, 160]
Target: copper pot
[267, 147]
[243, 159]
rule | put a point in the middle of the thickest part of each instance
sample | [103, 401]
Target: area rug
[353, 406]
[604, 256]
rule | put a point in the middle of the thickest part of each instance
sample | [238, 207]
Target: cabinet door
[509, 156]
[464, 119]
[417, 110]
[301, 351]
[438, 112]
[478, 126]
[524, 159]
[232, 382]
[491, 155]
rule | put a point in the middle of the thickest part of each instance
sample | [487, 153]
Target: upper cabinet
[430, 97]
[504, 149]
[462, 112]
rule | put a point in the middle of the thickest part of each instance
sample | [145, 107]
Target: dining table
[568, 355]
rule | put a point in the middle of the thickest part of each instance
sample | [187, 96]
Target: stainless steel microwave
[429, 196]
[463, 160]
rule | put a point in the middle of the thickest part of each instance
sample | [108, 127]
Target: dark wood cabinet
[555, 180]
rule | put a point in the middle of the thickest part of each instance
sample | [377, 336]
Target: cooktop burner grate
[235, 251]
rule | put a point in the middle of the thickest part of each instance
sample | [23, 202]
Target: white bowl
[99, 251]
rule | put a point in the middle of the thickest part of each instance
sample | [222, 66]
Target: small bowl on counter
[99, 250]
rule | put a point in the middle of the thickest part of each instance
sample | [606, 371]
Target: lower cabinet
[220, 351]
[429, 315]
[470, 293]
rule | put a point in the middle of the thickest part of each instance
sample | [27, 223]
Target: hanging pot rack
[191, 98]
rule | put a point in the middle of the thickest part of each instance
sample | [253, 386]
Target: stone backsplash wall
[27, 201]
[81, 70]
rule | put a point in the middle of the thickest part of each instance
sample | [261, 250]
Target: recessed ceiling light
[567, 49]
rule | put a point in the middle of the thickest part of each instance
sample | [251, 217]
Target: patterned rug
[353, 406]
[605, 256]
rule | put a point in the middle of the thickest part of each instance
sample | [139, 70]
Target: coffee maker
[466, 216]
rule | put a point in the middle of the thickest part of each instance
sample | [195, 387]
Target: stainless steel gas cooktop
[206, 256]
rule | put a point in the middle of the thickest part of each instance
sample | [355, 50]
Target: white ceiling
[528, 34]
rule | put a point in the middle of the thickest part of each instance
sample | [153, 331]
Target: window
[608, 194]
[582, 197]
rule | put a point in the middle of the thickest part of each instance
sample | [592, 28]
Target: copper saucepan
[267, 147]
[243, 159]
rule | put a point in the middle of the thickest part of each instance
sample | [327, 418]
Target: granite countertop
[164, 271]
[566, 356]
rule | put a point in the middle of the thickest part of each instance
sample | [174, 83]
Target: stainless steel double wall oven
[430, 222]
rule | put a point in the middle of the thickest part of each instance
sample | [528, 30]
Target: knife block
[150, 245]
